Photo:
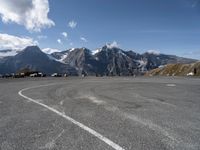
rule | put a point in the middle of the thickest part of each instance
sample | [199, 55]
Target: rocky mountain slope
[107, 60]
[33, 58]
[115, 61]
[192, 69]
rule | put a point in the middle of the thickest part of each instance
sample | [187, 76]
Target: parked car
[40, 74]
[56, 75]
[33, 75]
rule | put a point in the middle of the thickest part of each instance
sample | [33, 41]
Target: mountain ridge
[105, 61]
[115, 61]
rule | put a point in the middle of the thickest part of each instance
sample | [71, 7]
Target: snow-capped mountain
[112, 60]
[34, 59]
[79, 58]
[109, 60]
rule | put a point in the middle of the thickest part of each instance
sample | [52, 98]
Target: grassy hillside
[176, 70]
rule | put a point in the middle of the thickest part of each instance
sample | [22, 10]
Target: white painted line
[84, 127]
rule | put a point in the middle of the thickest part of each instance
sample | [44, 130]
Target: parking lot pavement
[100, 113]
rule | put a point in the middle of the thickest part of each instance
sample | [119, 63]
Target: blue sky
[168, 26]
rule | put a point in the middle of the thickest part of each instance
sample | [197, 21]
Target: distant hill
[192, 69]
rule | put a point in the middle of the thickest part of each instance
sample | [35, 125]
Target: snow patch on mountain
[142, 62]
[63, 57]
[50, 50]
[96, 51]
[51, 57]
[72, 49]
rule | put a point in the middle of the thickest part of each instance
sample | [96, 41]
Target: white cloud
[155, 52]
[50, 50]
[72, 24]
[33, 14]
[64, 34]
[15, 42]
[59, 41]
[114, 44]
[83, 39]
[8, 53]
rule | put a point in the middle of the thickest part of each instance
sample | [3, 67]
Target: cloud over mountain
[14, 42]
[114, 44]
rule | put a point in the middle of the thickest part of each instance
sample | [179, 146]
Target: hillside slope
[177, 70]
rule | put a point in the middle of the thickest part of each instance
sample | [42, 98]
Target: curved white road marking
[84, 127]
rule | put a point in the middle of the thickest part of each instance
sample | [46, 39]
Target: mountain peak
[112, 45]
[32, 48]
[112, 49]
[79, 49]
[31, 51]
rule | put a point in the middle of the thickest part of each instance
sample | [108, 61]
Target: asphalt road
[100, 114]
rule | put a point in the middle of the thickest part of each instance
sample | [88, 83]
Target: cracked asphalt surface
[135, 113]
